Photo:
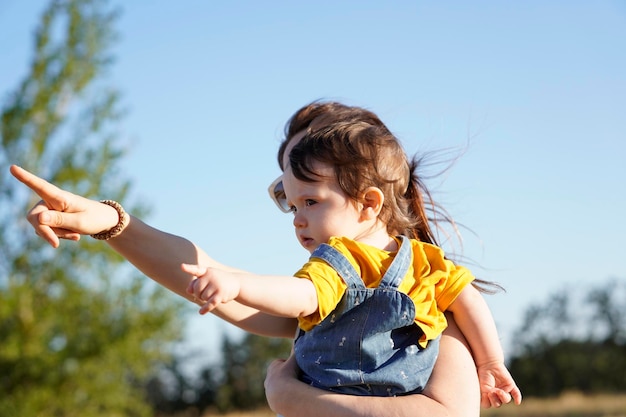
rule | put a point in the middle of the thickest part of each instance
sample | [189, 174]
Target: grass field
[568, 405]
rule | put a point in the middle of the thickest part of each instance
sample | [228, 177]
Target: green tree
[175, 392]
[80, 331]
[574, 341]
[243, 368]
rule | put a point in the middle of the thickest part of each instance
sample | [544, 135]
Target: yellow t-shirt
[432, 281]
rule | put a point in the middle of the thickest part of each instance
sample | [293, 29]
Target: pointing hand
[61, 214]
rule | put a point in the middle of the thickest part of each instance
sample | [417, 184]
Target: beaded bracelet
[119, 227]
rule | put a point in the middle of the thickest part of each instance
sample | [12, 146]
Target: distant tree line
[233, 383]
[575, 340]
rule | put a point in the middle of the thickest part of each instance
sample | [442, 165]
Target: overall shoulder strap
[339, 263]
[399, 266]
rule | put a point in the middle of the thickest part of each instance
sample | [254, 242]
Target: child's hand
[497, 387]
[211, 287]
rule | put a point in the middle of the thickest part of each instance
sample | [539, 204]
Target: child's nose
[299, 220]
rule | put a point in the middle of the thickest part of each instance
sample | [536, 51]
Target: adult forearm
[292, 398]
[253, 321]
[159, 256]
[322, 404]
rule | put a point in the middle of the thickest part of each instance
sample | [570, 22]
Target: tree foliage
[173, 392]
[243, 368]
[80, 332]
[575, 341]
[235, 382]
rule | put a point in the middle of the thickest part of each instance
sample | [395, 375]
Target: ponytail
[428, 216]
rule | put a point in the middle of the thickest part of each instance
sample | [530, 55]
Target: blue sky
[537, 88]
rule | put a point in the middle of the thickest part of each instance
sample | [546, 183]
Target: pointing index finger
[48, 192]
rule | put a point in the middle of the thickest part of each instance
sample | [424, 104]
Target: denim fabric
[369, 344]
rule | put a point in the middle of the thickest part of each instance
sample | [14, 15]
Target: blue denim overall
[369, 344]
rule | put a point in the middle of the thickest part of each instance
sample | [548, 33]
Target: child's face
[321, 209]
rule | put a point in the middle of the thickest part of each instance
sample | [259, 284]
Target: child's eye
[307, 203]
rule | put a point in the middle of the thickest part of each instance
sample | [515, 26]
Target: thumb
[61, 222]
[52, 225]
[194, 269]
[51, 218]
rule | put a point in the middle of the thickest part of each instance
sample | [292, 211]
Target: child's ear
[371, 203]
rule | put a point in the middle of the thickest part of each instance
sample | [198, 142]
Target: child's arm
[277, 295]
[475, 321]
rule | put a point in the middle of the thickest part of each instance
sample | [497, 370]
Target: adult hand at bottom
[280, 373]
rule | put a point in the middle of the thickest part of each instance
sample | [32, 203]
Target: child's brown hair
[364, 153]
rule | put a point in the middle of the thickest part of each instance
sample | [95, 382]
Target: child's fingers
[485, 402]
[490, 399]
[211, 296]
[192, 269]
[195, 271]
[210, 304]
[495, 400]
[498, 397]
[195, 289]
[509, 393]
[516, 394]
[206, 308]
[504, 396]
